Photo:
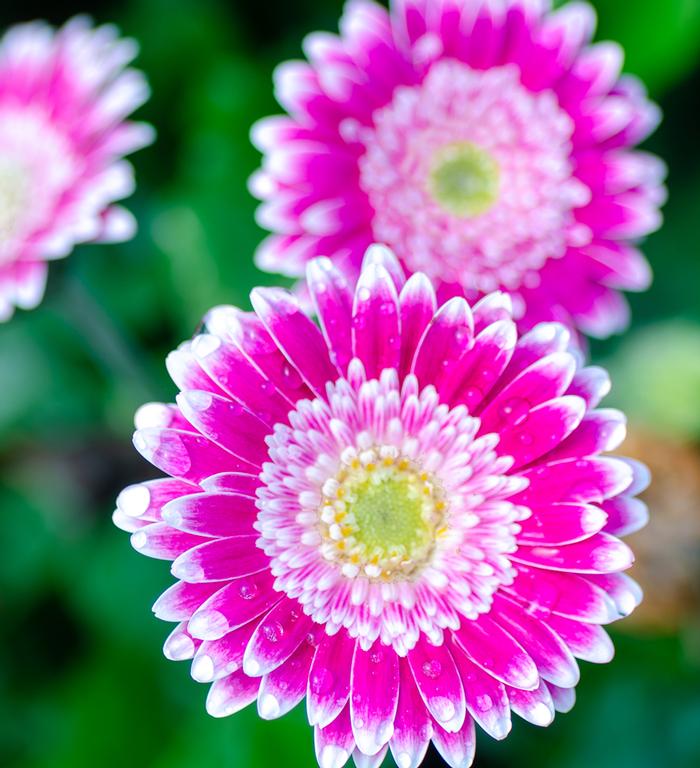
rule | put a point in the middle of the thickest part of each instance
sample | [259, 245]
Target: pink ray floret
[64, 98]
[489, 144]
[403, 515]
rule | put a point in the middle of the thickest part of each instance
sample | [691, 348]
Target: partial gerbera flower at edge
[64, 99]
[490, 145]
[403, 515]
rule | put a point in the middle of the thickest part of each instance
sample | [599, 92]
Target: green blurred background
[82, 679]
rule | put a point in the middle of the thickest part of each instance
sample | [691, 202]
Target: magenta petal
[457, 749]
[412, 725]
[237, 483]
[384, 257]
[544, 380]
[236, 604]
[296, 336]
[496, 652]
[145, 501]
[160, 541]
[218, 658]
[574, 480]
[220, 559]
[554, 524]
[552, 657]
[623, 590]
[184, 454]
[626, 515]
[231, 694]
[181, 600]
[332, 299]
[600, 431]
[276, 638]
[485, 363]
[375, 321]
[541, 429]
[601, 553]
[334, 742]
[185, 371]
[212, 514]
[535, 706]
[283, 688]
[418, 304]
[492, 308]
[369, 761]
[329, 679]
[439, 684]
[449, 335]
[586, 641]
[592, 384]
[227, 424]
[486, 698]
[374, 697]
[542, 593]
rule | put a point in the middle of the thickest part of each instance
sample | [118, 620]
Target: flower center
[464, 179]
[381, 515]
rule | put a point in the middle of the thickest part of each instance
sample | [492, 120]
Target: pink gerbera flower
[64, 96]
[402, 516]
[486, 142]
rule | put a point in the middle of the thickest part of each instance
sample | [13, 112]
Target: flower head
[402, 515]
[64, 97]
[487, 143]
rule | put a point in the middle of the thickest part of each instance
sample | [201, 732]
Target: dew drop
[432, 668]
[248, 590]
[273, 631]
[484, 702]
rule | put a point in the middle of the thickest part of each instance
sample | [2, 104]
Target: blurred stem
[108, 344]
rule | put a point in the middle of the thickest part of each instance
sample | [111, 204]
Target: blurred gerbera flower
[64, 97]
[402, 516]
[487, 143]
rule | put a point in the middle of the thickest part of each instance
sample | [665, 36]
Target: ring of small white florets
[343, 530]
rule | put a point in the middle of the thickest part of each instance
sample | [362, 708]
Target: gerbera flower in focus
[487, 143]
[402, 516]
[64, 97]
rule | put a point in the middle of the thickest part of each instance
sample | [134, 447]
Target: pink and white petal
[299, 340]
[220, 559]
[412, 725]
[641, 476]
[232, 694]
[600, 431]
[334, 742]
[448, 337]
[588, 642]
[186, 372]
[541, 593]
[218, 658]
[542, 340]
[145, 501]
[212, 514]
[283, 688]
[485, 363]
[374, 696]
[185, 455]
[490, 309]
[626, 515]
[438, 681]
[181, 600]
[237, 483]
[376, 339]
[457, 749]
[622, 589]
[589, 480]
[276, 638]
[535, 706]
[554, 661]
[496, 652]
[332, 300]
[180, 645]
[562, 698]
[160, 541]
[239, 602]
[591, 384]
[542, 428]
[226, 423]
[556, 524]
[329, 679]
[601, 553]
[418, 304]
[369, 761]
[487, 701]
